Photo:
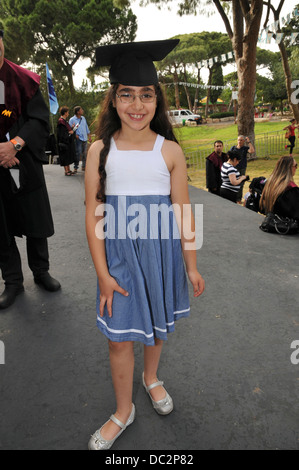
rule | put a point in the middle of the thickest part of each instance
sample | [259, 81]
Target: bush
[222, 115]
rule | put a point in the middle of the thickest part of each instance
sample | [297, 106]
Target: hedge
[222, 115]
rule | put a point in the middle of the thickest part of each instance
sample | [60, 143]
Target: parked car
[180, 116]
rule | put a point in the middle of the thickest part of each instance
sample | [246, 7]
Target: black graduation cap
[131, 63]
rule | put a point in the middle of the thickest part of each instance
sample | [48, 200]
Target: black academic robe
[26, 210]
[66, 143]
[213, 170]
[287, 205]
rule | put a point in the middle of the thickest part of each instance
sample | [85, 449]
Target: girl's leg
[292, 142]
[151, 363]
[122, 371]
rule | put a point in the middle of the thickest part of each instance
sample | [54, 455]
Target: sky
[155, 24]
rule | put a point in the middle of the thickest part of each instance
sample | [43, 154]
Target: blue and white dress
[143, 248]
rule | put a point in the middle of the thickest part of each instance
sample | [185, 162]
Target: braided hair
[109, 122]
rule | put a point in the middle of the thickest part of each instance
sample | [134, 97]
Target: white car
[179, 116]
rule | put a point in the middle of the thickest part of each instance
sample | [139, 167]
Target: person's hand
[8, 157]
[197, 282]
[107, 288]
[247, 178]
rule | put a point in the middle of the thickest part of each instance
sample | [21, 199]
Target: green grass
[192, 137]
[199, 135]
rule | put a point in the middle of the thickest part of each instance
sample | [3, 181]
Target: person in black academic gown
[66, 142]
[24, 202]
[214, 163]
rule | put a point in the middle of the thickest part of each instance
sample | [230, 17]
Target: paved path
[228, 367]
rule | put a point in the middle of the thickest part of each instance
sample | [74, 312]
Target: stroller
[256, 188]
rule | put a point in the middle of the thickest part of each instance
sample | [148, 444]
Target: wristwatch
[16, 145]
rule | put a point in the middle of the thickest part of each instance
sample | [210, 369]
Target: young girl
[135, 166]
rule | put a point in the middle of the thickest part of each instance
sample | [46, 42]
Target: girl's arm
[94, 231]
[176, 163]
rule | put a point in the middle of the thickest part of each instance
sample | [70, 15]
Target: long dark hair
[109, 122]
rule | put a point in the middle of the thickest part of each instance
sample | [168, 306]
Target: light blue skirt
[144, 255]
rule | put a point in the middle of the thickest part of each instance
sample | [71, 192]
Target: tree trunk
[69, 74]
[187, 91]
[285, 64]
[244, 44]
[176, 90]
[246, 92]
[208, 93]
[196, 92]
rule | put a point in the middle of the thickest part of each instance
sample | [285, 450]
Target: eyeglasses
[129, 98]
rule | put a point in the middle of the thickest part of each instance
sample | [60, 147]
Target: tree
[62, 32]
[191, 50]
[217, 83]
[284, 54]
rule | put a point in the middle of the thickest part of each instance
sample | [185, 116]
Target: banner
[284, 21]
[224, 58]
[196, 85]
[52, 95]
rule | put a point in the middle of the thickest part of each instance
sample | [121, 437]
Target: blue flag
[52, 95]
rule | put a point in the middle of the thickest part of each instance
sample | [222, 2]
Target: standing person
[291, 128]
[142, 286]
[78, 122]
[243, 147]
[214, 163]
[24, 203]
[231, 178]
[65, 141]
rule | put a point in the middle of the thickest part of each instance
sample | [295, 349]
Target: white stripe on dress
[132, 330]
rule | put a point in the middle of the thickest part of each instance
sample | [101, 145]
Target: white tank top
[137, 172]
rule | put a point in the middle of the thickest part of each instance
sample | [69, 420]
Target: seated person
[281, 194]
[231, 178]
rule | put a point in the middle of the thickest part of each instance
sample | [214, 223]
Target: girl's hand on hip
[107, 289]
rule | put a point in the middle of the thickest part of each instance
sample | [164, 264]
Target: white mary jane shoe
[97, 442]
[164, 406]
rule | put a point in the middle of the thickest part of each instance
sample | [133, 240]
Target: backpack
[256, 186]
